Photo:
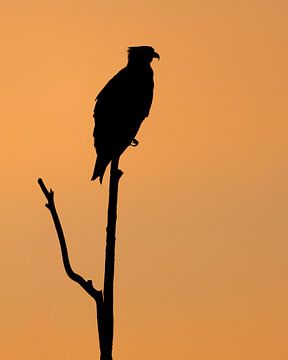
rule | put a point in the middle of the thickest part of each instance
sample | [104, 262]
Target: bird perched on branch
[121, 106]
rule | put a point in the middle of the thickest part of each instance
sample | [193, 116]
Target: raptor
[121, 106]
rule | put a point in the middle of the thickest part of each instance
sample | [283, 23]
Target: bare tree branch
[108, 290]
[87, 285]
[104, 300]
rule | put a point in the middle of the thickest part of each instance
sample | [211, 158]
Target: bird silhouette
[121, 106]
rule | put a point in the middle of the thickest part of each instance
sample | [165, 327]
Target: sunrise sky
[201, 267]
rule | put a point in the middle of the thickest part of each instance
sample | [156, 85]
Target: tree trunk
[103, 300]
[108, 313]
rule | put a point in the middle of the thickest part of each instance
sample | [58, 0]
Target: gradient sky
[201, 269]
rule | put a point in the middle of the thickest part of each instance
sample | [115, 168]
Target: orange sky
[201, 269]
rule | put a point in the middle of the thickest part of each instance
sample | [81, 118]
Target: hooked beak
[156, 55]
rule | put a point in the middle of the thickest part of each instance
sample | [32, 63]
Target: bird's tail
[99, 169]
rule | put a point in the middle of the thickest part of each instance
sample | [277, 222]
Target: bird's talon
[134, 142]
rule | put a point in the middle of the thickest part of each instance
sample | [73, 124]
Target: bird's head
[141, 54]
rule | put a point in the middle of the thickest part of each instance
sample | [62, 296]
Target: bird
[121, 106]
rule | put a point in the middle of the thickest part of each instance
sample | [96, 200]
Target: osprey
[121, 106]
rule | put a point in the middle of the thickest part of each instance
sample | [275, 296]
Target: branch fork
[103, 299]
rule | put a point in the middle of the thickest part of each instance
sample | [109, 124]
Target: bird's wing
[128, 93]
[120, 108]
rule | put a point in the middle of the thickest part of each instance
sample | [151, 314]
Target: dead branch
[104, 301]
[108, 291]
[87, 285]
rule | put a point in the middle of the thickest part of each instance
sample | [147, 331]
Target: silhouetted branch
[104, 301]
[115, 175]
[87, 285]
